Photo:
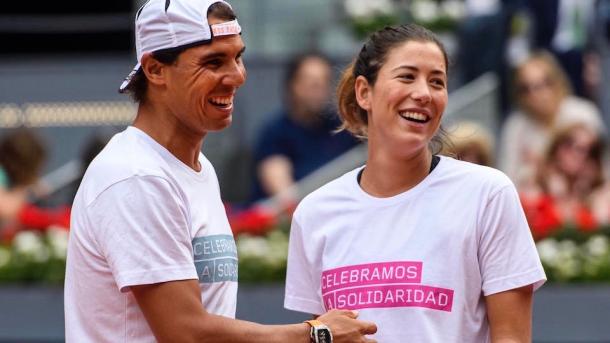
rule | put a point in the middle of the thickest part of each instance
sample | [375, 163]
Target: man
[300, 138]
[151, 253]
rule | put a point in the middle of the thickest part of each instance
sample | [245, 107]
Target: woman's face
[537, 90]
[406, 103]
[574, 151]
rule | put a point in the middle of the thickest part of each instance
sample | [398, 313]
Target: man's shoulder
[123, 157]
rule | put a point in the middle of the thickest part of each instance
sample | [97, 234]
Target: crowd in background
[551, 141]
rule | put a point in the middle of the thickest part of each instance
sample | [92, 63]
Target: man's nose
[237, 75]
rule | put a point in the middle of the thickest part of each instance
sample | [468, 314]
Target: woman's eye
[438, 82]
[407, 77]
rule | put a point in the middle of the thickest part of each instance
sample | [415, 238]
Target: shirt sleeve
[301, 286]
[143, 232]
[508, 258]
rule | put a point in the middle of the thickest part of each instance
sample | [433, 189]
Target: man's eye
[214, 63]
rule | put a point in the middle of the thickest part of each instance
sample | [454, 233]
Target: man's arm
[175, 314]
[510, 315]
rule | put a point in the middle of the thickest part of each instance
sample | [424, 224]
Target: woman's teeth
[414, 116]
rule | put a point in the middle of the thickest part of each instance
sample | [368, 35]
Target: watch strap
[315, 326]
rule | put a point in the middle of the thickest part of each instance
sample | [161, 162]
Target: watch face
[324, 336]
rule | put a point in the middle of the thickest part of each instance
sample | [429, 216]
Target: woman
[545, 102]
[470, 142]
[569, 186]
[429, 248]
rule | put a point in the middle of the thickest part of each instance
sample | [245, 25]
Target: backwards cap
[169, 24]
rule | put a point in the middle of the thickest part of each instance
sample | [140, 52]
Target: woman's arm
[510, 315]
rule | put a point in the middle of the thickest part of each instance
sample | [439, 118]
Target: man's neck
[166, 130]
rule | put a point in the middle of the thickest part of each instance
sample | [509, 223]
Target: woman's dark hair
[138, 85]
[371, 58]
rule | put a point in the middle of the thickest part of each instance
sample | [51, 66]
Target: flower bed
[576, 256]
[34, 256]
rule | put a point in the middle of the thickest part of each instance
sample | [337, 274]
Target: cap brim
[128, 79]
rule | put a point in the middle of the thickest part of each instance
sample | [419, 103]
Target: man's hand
[346, 329]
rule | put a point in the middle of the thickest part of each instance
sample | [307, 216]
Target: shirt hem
[155, 276]
[535, 277]
[302, 305]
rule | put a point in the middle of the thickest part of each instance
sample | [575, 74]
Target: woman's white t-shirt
[418, 264]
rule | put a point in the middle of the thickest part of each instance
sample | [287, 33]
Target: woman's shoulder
[471, 175]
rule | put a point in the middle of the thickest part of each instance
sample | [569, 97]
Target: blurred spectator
[483, 38]
[567, 178]
[561, 26]
[470, 142]
[300, 138]
[597, 63]
[22, 155]
[92, 147]
[21, 159]
[545, 102]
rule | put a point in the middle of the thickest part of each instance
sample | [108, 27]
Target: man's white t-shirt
[417, 264]
[141, 216]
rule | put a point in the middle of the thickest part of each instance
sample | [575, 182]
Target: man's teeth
[414, 116]
[224, 101]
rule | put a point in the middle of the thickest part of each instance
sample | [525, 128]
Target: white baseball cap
[169, 24]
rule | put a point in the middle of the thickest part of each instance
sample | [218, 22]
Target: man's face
[201, 85]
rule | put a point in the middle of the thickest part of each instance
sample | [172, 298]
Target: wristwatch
[320, 333]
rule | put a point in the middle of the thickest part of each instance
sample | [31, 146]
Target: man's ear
[363, 92]
[153, 69]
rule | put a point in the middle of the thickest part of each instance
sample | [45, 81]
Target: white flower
[368, 8]
[250, 246]
[5, 256]
[27, 242]
[58, 240]
[424, 10]
[548, 250]
[453, 8]
[569, 259]
[30, 244]
[278, 247]
[598, 246]
[381, 7]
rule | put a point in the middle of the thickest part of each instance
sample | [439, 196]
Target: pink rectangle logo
[371, 274]
[385, 296]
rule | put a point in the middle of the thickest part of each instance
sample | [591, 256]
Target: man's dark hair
[296, 62]
[139, 84]
[22, 155]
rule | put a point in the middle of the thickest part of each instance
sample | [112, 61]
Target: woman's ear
[153, 69]
[363, 92]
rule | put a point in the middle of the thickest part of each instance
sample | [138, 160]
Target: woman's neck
[386, 176]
